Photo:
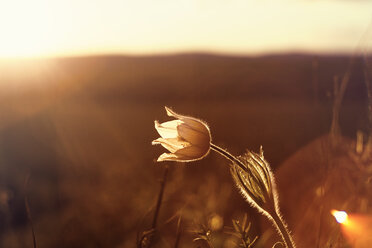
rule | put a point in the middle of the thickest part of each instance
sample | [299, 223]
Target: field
[80, 130]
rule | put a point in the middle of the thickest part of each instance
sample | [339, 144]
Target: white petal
[193, 123]
[172, 145]
[168, 129]
[167, 157]
[171, 112]
[187, 154]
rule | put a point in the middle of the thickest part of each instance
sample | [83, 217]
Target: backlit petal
[172, 144]
[167, 157]
[192, 153]
[168, 129]
[184, 156]
[194, 123]
[195, 137]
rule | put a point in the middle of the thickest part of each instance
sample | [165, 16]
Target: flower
[187, 138]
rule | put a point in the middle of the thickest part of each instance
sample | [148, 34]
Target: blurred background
[81, 83]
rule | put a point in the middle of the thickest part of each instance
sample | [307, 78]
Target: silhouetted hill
[192, 77]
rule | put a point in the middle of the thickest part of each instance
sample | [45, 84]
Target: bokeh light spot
[341, 216]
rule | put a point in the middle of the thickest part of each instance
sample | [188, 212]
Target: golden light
[42, 28]
[25, 28]
[340, 216]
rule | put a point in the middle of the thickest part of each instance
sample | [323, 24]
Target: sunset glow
[54, 28]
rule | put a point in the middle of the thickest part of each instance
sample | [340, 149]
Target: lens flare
[341, 216]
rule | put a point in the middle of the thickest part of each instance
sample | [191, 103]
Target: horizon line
[294, 52]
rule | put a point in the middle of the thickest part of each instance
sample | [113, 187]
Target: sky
[44, 28]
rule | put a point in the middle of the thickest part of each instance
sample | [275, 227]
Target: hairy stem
[227, 155]
[283, 230]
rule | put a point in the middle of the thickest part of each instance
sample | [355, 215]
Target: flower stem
[160, 197]
[227, 155]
